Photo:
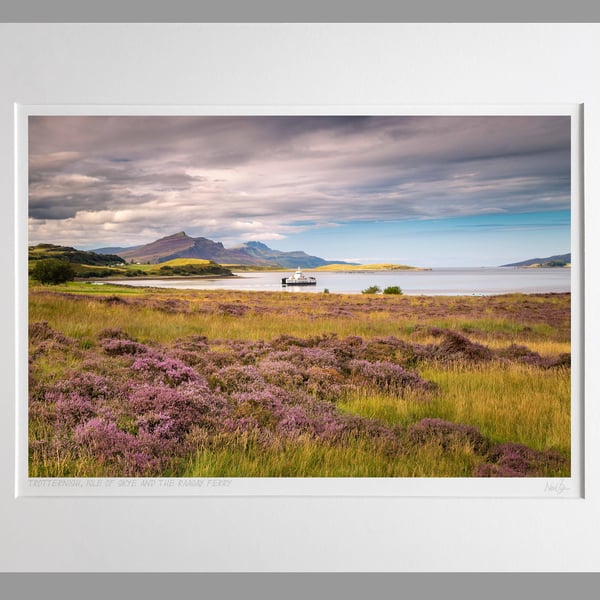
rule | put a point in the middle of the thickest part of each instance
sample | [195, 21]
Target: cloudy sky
[427, 190]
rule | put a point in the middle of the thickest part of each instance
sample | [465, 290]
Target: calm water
[465, 281]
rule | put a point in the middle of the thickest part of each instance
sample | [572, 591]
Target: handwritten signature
[556, 487]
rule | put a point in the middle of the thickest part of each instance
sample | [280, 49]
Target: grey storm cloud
[129, 179]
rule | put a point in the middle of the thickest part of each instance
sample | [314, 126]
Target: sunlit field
[139, 382]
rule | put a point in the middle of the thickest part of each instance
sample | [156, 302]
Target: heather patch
[457, 347]
[388, 377]
[313, 356]
[120, 346]
[73, 409]
[41, 331]
[284, 342]
[88, 384]
[237, 378]
[386, 349]
[282, 373]
[344, 349]
[122, 452]
[114, 333]
[235, 310]
[190, 404]
[138, 410]
[325, 383]
[113, 300]
[43, 341]
[517, 460]
[526, 356]
[164, 368]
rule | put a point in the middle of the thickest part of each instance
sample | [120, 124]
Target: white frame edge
[548, 488]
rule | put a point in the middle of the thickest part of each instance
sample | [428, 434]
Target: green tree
[52, 271]
[373, 289]
[393, 289]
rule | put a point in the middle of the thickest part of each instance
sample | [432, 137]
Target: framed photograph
[420, 345]
[327, 300]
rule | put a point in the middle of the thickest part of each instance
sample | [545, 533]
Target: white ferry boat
[298, 278]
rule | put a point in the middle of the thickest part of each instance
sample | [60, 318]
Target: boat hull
[298, 279]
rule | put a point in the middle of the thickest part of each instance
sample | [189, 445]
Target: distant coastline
[542, 266]
[550, 262]
[344, 268]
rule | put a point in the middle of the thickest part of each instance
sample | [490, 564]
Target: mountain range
[181, 245]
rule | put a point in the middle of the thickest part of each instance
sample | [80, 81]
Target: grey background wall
[308, 11]
[495, 586]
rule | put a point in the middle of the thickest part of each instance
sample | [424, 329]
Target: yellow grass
[304, 458]
[149, 324]
[178, 262]
[517, 403]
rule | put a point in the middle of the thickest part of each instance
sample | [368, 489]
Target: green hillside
[90, 265]
[72, 255]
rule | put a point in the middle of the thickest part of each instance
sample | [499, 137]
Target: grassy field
[132, 381]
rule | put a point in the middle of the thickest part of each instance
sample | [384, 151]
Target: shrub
[324, 383]
[281, 373]
[236, 378]
[373, 289]
[118, 347]
[52, 271]
[164, 368]
[41, 331]
[389, 376]
[113, 333]
[393, 289]
[516, 460]
[457, 347]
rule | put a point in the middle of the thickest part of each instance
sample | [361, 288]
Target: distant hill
[369, 267]
[72, 255]
[112, 250]
[289, 260]
[181, 245]
[559, 260]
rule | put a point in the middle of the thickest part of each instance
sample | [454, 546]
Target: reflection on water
[466, 281]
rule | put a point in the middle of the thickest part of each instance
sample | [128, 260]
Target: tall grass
[304, 458]
[515, 403]
[149, 324]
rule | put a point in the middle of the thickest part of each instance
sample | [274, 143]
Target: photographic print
[299, 296]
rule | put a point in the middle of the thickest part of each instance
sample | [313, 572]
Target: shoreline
[112, 279]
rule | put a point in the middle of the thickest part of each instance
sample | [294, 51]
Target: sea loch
[442, 281]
